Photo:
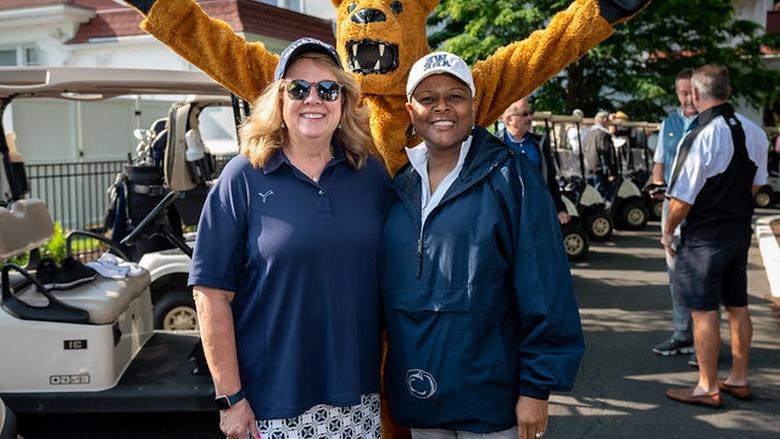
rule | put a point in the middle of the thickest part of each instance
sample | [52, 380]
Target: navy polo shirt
[302, 258]
[526, 146]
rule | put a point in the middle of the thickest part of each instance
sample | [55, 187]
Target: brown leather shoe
[686, 396]
[739, 392]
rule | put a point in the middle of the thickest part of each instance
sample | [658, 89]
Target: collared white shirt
[711, 153]
[418, 158]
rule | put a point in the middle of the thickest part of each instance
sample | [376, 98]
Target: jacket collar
[709, 114]
[485, 153]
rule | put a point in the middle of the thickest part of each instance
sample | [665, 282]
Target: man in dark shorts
[718, 165]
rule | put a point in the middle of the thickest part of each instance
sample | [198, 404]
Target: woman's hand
[531, 417]
[238, 421]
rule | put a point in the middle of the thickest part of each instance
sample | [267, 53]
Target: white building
[105, 33]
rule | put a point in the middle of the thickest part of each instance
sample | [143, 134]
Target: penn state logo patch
[421, 384]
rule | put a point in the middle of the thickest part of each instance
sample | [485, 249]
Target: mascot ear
[336, 3]
[429, 5]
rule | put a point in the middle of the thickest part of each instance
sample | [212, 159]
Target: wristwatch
[224, 402]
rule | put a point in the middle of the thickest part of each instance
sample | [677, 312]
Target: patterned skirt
[324, 421]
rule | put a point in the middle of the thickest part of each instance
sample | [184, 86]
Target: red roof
[91, 4]
[112, 20]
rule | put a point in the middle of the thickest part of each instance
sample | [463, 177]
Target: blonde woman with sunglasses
[285, 265]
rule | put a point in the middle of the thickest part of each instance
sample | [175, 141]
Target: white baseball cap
[439, 62]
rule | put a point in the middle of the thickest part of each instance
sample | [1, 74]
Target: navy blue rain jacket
[478, 303]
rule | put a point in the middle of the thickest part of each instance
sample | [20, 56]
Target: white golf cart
[575, 238]
[596, 219]
[629, 205]
[178, 187]
[91, 348]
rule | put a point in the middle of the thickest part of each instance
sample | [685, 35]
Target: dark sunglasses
[328, 91]
[523, 114]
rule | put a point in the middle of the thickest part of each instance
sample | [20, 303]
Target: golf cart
[163, 163]
[575, 238]
[628, 202]
[590, 205]
[90, 347]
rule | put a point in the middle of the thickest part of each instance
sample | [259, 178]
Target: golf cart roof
[80, 83]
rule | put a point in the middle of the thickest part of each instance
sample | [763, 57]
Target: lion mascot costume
[378, 41]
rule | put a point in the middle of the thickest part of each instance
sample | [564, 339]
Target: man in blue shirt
[673, 129]
[519, 138]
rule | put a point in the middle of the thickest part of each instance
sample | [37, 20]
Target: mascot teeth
[372, 57]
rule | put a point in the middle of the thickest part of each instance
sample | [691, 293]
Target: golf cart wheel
[657, 209]
[576, 242]
[763, 197]
[175, 311]
[634, 215]
[599, 226]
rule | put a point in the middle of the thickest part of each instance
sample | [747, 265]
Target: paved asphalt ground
[625, 308]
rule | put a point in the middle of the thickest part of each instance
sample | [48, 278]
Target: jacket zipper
[419, 255]
[420, 239]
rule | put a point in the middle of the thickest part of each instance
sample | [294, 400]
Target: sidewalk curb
[769, 244]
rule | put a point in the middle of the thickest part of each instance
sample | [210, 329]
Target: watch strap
[227, 401]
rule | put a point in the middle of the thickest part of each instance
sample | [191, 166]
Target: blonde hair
[263, 133]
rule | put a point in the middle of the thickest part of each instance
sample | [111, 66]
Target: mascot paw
[145, 5]
[615, 11]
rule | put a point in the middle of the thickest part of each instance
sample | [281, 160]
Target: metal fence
[76, 193]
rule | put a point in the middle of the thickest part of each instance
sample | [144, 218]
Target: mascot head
[379, 40]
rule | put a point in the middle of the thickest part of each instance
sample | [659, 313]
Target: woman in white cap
[284, 272]
[481, 317]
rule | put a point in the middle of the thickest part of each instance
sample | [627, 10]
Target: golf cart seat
[159, 125]
[27, 225]
[188, 166]
[104, 300]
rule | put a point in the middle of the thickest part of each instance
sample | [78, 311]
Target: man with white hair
[576, 137]
[597, 148]
[719, 166]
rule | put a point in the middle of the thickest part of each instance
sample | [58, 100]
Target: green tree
[634, 69]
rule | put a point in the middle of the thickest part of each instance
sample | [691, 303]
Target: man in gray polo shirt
[718, 165]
